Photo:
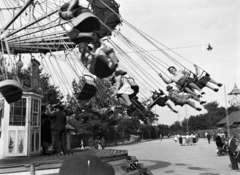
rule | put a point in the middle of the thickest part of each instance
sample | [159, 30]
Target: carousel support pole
[227, 118]
[17, 15]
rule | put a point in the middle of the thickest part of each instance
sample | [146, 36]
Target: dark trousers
[60, 141]
[233, 161]
[209, 141]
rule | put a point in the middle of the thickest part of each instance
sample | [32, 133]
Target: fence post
[32, 169]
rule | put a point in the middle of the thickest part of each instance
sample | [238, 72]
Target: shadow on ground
[153, 164]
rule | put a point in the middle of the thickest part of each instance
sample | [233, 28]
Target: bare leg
[170, 107]
[192, 104]
[213, 81]
[125, 99]
[194, 86]
[113, 57]
[189, 91]
[197, 99]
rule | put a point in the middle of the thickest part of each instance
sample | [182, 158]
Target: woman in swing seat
[84, 22]
[181, 78]
[100, 59]
[124, 91]
[205, 81]
[181, 100]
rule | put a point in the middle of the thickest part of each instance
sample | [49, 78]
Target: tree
[51, 94]
[176, 127]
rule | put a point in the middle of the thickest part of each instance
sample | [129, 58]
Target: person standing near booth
[60, 130]
[46, 138]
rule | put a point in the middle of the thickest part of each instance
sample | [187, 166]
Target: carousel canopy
[235, 91]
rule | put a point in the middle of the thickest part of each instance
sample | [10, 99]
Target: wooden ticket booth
[21, 126]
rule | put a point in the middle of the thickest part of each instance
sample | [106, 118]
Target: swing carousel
[37, 31]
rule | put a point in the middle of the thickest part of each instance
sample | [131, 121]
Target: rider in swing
[125, 92]
[106, 55]
[182, 79]
[181, 100]
[100, 59]
[161, 100]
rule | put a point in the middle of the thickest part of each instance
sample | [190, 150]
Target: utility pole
[227, 118]
[186, 117]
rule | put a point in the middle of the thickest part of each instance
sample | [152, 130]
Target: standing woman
[194, 139]
[180, 140]
[184, 139]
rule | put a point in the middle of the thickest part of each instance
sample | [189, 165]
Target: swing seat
[99, 68]
[108, 16]
[89, 89]
[11, 90]
[86, 22]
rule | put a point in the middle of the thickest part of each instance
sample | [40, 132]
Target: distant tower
[234, 96]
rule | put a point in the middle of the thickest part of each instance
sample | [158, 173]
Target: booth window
[18, 113]
[35, 112]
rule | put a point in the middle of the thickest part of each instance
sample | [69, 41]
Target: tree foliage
[204, 121]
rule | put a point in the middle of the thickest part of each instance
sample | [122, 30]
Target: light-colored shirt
[178, 75]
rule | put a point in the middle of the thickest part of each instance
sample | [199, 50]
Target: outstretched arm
[170, 107]
[72, 4]
[167, 81]
[196, 69]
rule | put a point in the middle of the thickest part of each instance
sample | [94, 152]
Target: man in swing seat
[100, 59]
[181, 100]
[161, 100]
[182, 79]
[205, 81]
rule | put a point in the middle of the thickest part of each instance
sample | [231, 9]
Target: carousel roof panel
[235, 91]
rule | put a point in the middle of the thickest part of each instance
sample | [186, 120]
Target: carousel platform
[123, 163]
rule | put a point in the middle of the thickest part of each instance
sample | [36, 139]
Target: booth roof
[234, 118]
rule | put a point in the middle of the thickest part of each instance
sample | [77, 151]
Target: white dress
[126, 87]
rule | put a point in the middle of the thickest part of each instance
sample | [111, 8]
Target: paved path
[168, 157]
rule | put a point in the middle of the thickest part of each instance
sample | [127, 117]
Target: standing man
[209, 137]
[232, 151]
[103, 143]
[46, 133]
[60, 131]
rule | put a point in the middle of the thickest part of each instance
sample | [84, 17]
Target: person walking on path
[161, 136]
[103, 143]
[60, 130]
[208, 137]
[96, 143]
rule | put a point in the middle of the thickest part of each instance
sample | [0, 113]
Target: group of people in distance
[187, 139]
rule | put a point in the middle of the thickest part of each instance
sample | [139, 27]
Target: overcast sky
[187, 26]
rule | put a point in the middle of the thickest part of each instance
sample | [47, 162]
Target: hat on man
[169, 87]
[85, 165]
[58, 106]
